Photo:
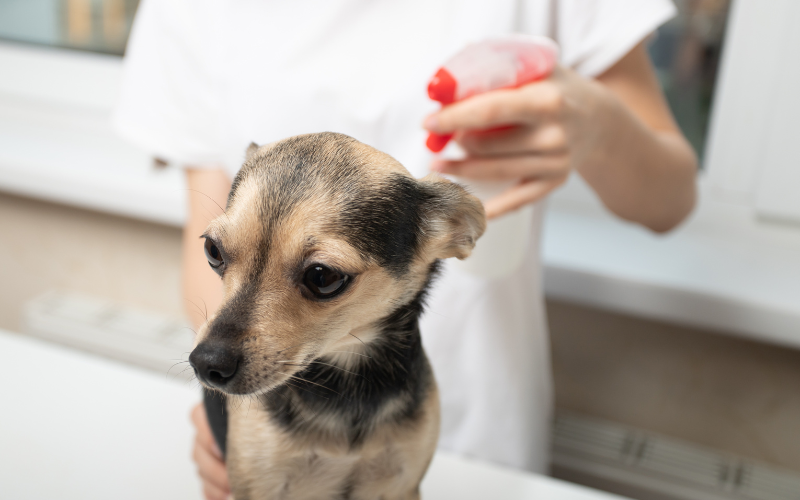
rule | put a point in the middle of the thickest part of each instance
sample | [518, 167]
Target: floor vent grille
[646, 466]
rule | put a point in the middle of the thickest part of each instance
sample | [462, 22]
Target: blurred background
[676, 359]
[93, 25]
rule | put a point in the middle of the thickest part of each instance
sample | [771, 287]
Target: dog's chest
[264, 461]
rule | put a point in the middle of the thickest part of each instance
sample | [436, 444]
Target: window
[753, 159]
[686, 55]
[93, 25]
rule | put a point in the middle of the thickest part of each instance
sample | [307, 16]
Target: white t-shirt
[204, 78]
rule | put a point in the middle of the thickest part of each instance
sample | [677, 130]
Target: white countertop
[76, 426]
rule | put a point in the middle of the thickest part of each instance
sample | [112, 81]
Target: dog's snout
[215, 364]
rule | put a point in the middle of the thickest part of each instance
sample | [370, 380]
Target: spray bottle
[496, 63]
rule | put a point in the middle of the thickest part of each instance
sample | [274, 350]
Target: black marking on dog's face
[395, 372]
[386, 223]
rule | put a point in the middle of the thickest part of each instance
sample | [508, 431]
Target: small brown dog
[315, 373]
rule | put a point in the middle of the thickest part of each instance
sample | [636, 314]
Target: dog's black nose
[215, 364]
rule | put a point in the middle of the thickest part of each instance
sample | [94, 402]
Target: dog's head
[323, 237]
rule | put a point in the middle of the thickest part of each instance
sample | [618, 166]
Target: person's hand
[535, 134]
[206, 454]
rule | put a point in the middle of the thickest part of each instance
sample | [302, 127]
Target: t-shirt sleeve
[594, 35]
[168, 102]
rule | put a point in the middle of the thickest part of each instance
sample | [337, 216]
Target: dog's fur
[329, 397]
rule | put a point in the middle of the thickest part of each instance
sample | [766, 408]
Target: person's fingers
[211, 492]
[211, 469]
[505, 168]
[199, 417]
[547, 137]
[205, 439]
[524, 105]
[526, 192]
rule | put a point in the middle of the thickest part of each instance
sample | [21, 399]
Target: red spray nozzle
[442, 87]
[495, 63]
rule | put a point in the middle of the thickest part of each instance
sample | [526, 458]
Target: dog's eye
[323, 281]
[213, 254]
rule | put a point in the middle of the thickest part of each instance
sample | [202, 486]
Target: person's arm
[616, 131]
[202, 288]
[202, 293]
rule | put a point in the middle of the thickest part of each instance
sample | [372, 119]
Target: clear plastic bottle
[496, 63]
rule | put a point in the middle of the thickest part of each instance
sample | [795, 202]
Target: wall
[45, 246]
[732, 394]
[708, 388]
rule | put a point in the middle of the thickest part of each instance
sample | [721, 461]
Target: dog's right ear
[455, 218]
[251, 150]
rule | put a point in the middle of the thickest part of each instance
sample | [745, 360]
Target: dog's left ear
[251, 150]
[456, 219]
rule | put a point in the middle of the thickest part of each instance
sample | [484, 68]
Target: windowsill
[75, 158]
[722, 270]
[56, 143]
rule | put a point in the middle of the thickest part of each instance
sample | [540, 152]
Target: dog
[316, 382]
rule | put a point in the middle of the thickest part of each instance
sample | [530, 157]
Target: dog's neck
[387, 383]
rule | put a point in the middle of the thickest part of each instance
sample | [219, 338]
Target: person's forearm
[642, 167]
[202, 288]
[640, 174]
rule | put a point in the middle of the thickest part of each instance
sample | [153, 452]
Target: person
[203, 79]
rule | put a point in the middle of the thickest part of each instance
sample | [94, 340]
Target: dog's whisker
[183, 371]
[188, 328]
[300, 379]
[350, 352]
[304, 389]
[240, 401]
[205, 308]
[205, 315]
[337, 367]
[173, 366]
[222, 210]
[362, 342]
[289, 363]
[287, 348]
